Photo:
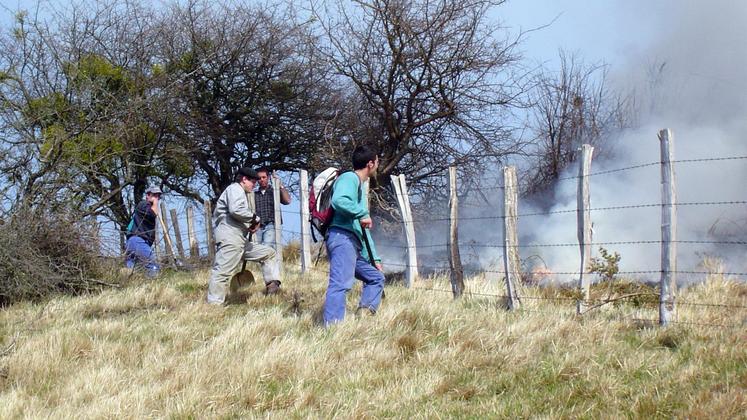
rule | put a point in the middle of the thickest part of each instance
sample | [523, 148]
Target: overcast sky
[606, 30]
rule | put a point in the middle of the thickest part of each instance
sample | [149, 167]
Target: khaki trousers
[228, 258]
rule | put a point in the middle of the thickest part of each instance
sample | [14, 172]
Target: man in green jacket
[346, 238]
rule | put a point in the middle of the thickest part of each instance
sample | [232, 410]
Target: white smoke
[691, 80]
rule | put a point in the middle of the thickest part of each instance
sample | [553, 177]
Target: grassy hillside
[154, 349]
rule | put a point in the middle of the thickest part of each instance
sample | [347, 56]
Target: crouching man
[234, 219]
[141, 233]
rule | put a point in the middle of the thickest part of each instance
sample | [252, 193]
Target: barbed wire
[645, 165]
[700, 324]
[472, 293]
[711, 159]
[575, 299]
[576, 273]
[203, 247]
[468, 293]
[612, 171]
[594, 209]
[468, 244]
[719, 305]
[570, 211]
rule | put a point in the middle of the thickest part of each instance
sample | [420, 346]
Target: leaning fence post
[177, 233]
[455, 261]
[123, 241]
[209, 230]
[156, 244]
[305, 226]
[583, 213]
[277, 224]
[510, 236]
[668, 283]
[194, 249]
[403, 200]
[166, 238]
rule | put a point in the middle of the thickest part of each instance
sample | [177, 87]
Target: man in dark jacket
[264, 202]
[141, 233]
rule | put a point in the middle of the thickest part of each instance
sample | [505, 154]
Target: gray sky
[604, 30]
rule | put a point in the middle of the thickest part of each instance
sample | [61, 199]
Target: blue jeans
[346, 262]
[266, 235]
[138, 252]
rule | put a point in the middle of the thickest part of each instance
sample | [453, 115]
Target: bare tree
[435, 81]
[570, 107]
[79, 118]
[251, 92]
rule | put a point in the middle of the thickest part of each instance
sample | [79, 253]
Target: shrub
[292, 251]
[42, 254]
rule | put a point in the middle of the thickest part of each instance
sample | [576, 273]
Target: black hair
[265, 169]
[362, 155]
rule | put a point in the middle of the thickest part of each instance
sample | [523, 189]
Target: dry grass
[154, 349]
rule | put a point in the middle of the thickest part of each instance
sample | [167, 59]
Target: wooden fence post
[455, 261]
[278, 223]
[403, 200]
[166, 237]
[95, 236]
[177, 234]
[583, 213]
[156, 244]
[194, 249]
[209, 230]
[510, 237]
[123, 241]
[305, 225]
[668, 282]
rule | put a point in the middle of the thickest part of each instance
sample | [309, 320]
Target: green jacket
[350, 204]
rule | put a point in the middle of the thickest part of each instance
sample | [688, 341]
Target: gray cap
[249, 173]
[153, 190]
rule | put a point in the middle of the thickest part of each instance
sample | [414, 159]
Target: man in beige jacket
[234, 219]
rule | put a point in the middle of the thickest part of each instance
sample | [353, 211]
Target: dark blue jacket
[144, 223]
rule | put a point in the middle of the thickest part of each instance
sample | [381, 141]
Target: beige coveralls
[232, 218]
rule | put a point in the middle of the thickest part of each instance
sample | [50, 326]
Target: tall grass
[154, 349]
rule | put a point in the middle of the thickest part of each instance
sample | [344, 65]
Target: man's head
[247, 177]
[365, 157]
[264, 177]
[153, 193]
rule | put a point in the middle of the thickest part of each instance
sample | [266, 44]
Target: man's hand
[285, 198]
[378, 266]
[280, 183]
[255, 224]
[366, 223]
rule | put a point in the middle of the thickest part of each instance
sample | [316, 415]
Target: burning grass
[153, 349]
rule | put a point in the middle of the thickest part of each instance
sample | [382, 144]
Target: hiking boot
[363, 311]
[272, 287]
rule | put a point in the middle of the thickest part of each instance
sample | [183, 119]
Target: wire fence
[737, 313]
[396, 247]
